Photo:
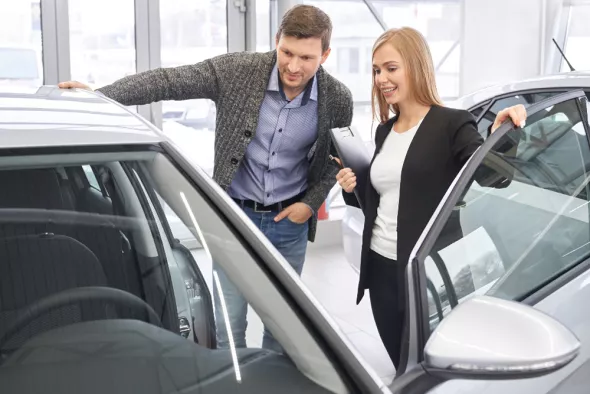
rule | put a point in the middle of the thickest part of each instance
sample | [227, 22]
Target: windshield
[109, 263]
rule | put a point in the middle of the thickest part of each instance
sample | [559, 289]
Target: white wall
[502, 40]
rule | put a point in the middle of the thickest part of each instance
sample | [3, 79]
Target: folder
[353, 154]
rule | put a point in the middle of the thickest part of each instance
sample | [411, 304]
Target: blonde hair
[413, 48]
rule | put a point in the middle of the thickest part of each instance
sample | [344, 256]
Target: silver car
[97, 294]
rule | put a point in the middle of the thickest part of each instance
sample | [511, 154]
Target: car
[20, 66]
[97, 294]
[198, 114]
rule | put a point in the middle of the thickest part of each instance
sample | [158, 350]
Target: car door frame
[175, 244]
[353, 368]
[489, 102]
[417, 328]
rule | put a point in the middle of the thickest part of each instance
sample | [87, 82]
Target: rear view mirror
[492, 338]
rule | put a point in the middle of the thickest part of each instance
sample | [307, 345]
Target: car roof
[569, 80]
[50, 116]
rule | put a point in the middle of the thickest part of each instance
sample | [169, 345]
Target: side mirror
[492, 338]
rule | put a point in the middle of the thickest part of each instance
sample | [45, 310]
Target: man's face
[298, 60]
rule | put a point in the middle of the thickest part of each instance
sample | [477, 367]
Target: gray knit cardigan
[237, 82]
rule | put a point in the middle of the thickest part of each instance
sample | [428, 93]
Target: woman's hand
[346, 178]
[516, 113]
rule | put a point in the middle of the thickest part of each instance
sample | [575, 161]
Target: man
[272, 145]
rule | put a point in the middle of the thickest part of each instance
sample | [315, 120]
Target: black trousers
[385, 293]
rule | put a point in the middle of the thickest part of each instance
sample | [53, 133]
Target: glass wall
[263, 39]
[356, 29]
[20, 43]
[101, 53]
[192, 31]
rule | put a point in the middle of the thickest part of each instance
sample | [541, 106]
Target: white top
[386, 175]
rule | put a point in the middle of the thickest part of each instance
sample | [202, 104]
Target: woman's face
[390, 74]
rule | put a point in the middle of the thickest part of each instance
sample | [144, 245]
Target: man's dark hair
[306, 21]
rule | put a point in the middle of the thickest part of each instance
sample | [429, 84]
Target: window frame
[419, 329]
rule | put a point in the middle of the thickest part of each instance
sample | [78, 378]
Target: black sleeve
[350, 199]
[466, 140]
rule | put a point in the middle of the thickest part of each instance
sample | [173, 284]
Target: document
[354, 155]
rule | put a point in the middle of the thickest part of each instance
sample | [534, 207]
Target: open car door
[512, 225]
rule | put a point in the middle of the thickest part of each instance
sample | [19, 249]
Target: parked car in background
[20, 66]
[197, 114]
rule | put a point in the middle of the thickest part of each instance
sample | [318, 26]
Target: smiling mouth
[388, 90]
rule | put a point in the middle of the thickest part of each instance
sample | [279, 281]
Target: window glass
[20, 43]
[263, 38]
[100, 52]
[525, 99]
[91, 177]
[135, 274]
[523, 219]
[355, 30]
[192, 31]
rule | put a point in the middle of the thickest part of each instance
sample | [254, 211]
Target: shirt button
[267, 194]
[274, 153]
[248, 133]
[280, 130]
[234, 161]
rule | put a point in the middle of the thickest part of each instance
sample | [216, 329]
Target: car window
[91, 177]
[523, 219]
[109, 275]
[526, 99]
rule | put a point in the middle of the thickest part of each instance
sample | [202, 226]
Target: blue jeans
[290, 239]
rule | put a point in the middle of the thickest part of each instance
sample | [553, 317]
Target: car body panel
[74, 117]
[567, 305]
[565, 81]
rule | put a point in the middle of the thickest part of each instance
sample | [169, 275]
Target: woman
[419, 151]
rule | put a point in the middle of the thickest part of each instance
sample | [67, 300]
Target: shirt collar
[275, 85]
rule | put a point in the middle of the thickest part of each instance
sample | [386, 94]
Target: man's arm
[177, 83]
[317, 194]
[193, 81]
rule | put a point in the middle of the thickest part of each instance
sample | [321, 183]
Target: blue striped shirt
[276, 162]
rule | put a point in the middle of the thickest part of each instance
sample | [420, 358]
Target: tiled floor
[333, 282]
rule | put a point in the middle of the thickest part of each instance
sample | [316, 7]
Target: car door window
[526, 99]
[523, 218]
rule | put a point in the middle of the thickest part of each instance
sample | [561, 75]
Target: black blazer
[445, 140]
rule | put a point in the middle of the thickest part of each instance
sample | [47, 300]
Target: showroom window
[20, 47]
[100, 52]
[192, 31]
[355, 27]
[263, 38]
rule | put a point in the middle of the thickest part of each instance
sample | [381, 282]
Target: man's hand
[516, 113]
[73, 85]
[297, 213]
